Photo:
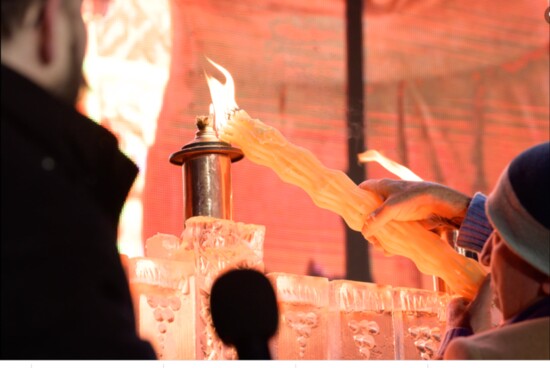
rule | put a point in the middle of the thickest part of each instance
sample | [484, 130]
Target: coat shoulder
[524, 341]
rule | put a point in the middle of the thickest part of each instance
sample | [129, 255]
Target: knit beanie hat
[519, 206]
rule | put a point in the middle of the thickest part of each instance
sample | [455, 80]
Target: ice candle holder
[419, 322]
[162, 285]
[360, 325]
[220, 245]
[303, 317]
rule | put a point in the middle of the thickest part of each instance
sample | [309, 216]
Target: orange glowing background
[453, 91]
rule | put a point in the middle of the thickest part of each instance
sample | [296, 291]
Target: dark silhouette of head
[244, 312]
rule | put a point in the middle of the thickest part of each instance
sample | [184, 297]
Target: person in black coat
[64, 181]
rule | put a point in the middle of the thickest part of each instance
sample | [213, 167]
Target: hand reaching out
[431, 204]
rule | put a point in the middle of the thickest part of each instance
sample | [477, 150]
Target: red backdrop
[454, 90]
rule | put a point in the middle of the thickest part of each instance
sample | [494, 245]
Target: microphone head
[244, 310]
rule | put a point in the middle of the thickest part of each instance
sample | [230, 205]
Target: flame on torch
[392, 166]
[222, 94]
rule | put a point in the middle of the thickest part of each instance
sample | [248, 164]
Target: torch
[206, 161]
[206, 167]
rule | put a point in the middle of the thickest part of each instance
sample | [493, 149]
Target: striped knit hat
[519, 206]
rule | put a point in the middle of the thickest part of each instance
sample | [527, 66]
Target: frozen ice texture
[163, 296]
[360, 324]
[219, 245]
[303, 317]
[420, 322]
[167, 246]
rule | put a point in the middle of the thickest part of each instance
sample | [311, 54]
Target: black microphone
[244, 312]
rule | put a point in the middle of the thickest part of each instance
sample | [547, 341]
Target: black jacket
[63, 290]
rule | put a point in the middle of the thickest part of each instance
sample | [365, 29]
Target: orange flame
[392, 166]
[223, 95]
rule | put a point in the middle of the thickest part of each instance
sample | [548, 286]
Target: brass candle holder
[206, 167]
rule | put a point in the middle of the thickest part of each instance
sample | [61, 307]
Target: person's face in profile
[515, 283]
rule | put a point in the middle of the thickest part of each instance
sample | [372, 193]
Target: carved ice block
[167, 246]
[163, 296]
[303, 317]
[220, 245]
[419, 322]
[360, 324]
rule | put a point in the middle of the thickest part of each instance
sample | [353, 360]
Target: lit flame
[392, 166]
[223, 96]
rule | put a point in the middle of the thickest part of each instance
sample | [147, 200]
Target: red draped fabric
[453, 90]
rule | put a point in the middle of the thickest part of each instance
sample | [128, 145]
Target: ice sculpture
[419, 322]
[162, 287]
[303, 317]
[219, 245]
[361, 324]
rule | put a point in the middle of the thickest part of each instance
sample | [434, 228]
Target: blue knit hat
[519, 206]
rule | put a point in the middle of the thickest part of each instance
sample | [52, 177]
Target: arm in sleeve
[450, 335]
[476, 228]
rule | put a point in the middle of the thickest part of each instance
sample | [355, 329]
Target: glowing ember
[392, 166]
[223, 96]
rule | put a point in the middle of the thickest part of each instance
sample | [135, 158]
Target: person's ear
[46, 28]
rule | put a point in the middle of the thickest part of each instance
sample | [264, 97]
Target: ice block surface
[361, 326]
[163, 296]
[420, 322]
[303, 317]
[167, 246]
[220, 245]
